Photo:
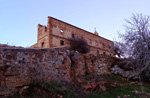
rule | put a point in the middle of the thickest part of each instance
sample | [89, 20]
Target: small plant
[113, 77]
[52, 86]
[56, 88]
[87, 73]
[45, 89]
[127, 91]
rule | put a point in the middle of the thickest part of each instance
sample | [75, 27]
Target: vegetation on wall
[105, 86]
[79, 45]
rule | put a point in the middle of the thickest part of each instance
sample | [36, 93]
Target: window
[45, 29]
[97, 52]
[104, 53]
[73, 36]
[61, 31]
[42, 44]
[90, 41]
[61, 42]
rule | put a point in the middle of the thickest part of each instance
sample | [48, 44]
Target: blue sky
[19, 18]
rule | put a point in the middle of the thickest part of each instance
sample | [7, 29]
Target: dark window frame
[97, 51]
[62, 42]
[73, 36]
[42, 45]
[104, 53]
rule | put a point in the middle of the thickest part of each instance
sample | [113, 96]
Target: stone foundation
[21, 67]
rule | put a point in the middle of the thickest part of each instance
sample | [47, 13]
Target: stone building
[57, 34]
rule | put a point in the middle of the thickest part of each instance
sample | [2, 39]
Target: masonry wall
[58, 31]
[62, 30]
[21, 67]
[43, 37]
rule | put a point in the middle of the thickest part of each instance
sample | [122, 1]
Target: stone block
[2, 77]
[31, 54]
[47, 68]
[10, 71]
[1, 62]
[1, 51]
[2, 85]
[13, 82]
[34, 58]
[38, 51]
[78, 62]
[5, 92]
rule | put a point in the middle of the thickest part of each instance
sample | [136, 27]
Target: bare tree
[119, 49]
[137, 42]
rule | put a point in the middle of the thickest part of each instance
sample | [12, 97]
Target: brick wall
[57, 31]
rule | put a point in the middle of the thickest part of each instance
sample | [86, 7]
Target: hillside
[106, 86]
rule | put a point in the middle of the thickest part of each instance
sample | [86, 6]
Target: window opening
[97, 52]
[104, 53]
[42, 44]
[61, 31]
[61, 42]
[90, 41]
[73, 36]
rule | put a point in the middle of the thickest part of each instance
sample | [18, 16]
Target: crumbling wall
[21, 67]
[43, 37]
[64, 31]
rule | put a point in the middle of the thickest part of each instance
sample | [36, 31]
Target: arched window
[42, 44]
[61, 31]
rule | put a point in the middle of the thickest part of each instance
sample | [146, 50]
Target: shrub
[79, 45]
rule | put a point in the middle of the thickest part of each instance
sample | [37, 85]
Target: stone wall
[21, 67]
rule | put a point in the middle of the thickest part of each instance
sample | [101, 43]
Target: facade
[57, 34]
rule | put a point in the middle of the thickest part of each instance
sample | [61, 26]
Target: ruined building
[57, 34]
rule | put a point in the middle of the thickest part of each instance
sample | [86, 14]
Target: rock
[101, 83]
[78, 64]
[23, 89]
[103, 88]
[87, 87]
[4, 93]
[79, 80]
[95, 86]
[128, 74]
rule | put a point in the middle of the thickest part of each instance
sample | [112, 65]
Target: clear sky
[19, 18]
